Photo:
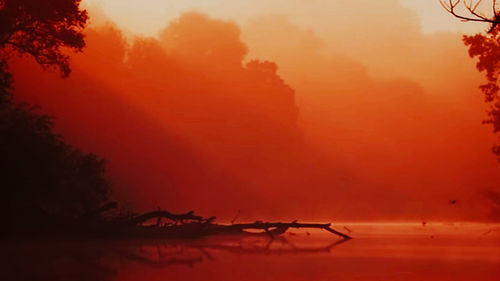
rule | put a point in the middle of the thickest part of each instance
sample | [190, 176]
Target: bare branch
[479, 2]
[472, 10]
[472, 13]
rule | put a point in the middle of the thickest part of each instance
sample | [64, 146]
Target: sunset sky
[352, 110]
[149, 17]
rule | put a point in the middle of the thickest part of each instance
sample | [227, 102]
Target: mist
[280, 114]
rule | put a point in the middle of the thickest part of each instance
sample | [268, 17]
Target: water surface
[411, 251]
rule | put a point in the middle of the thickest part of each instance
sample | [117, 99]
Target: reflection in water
[54, 260]
[191, 252]
[100, 260]
[378, 252]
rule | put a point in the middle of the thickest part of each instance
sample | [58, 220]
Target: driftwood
[94, 224]
[272, 228]
[189, 225]
[184, 225]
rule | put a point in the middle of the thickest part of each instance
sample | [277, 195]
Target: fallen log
[189, 225]
[268, 227]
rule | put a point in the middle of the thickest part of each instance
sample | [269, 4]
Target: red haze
[186, 123]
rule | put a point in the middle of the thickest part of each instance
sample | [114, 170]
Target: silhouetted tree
[41, 176]
[41, 29]
[486, 47]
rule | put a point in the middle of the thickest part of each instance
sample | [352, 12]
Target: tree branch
[450, 6]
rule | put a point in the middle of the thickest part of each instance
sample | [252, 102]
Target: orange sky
[150, 15]
[317, 110]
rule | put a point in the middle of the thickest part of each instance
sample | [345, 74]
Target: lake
[379, 251]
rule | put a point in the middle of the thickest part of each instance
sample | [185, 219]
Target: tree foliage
[41, 29]
[40, 172]
[486, 48]
[41, 176]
